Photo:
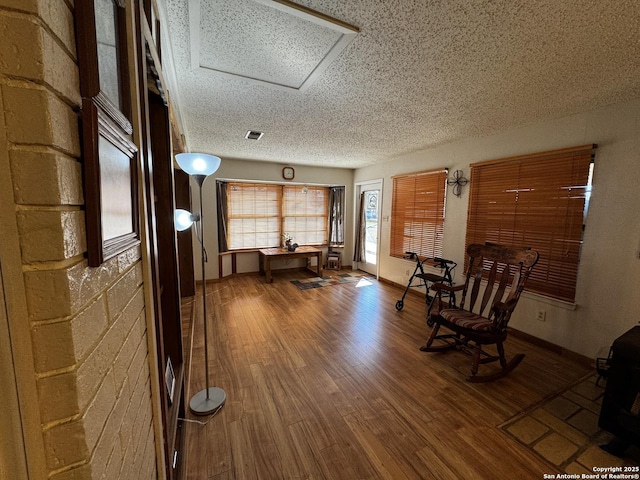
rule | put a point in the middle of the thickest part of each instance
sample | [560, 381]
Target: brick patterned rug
[328, 280]
[564, 431]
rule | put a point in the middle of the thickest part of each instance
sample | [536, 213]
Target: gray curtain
[336, 216]
[221, 195]
[361, 225]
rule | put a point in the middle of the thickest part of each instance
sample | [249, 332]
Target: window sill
[550, 301]
[255, 250]
[230, 252]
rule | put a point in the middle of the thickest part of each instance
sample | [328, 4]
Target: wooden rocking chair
[506, 270]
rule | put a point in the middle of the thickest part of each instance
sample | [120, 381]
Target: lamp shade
[198, 163]
[183, 218]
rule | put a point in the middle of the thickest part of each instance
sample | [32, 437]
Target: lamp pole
[200, 166]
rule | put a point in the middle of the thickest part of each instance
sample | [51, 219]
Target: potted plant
[288, 239]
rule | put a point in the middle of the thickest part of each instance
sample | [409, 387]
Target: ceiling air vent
[253, 135]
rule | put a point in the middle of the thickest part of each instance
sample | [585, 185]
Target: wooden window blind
[417, 213]
[259, 213]
[305, 214]
[536, 201]
[253, 215]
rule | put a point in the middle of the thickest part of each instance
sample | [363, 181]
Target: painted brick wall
[88, 327]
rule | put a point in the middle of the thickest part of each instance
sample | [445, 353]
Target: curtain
[361, 224]
[336, 216]
[223, 220]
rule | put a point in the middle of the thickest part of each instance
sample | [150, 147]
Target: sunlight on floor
[363, 283]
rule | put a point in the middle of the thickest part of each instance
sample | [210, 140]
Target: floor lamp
[200, 166]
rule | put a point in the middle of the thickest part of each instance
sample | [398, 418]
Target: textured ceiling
[255, 41]
[418, 73]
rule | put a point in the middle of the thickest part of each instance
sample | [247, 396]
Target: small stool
[333, 261]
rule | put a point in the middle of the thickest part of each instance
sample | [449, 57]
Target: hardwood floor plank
[337, 463]
[375, 450]
[260, 439]
[456, 454]
[433, 466]
[329, 383]
[271, 404]
[217, 446]
[318, 410]
[194, 454]
[491, 442]
[307, 453]
[244, 461]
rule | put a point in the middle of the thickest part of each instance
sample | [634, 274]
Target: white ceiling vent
[253, 135]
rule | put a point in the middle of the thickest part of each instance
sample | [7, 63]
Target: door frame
[374, 184]
[12, 442]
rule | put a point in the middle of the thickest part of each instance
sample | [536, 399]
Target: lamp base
[200, 405]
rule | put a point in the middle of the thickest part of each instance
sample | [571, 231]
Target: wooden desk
[268, 254]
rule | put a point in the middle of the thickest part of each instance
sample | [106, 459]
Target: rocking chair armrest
[449, 288]
[505, 307]
[501, 314]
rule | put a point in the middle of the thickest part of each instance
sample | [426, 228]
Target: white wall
[608, 290]
[247, 170]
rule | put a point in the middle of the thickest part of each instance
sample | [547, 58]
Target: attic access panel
[272, 42]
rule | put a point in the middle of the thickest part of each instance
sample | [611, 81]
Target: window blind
[304, 214]
[417, 213]
[535, 201]
[253, 215]
[259, 213]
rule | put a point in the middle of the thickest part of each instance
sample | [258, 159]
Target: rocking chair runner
[507, 270]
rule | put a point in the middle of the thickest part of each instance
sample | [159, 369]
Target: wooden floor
[329, 383]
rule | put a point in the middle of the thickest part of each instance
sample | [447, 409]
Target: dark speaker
[620, 411]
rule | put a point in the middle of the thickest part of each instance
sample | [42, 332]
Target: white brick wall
[88, 327]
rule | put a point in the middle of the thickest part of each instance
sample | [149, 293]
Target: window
[417, 213]
[305, 214]
[535, 201]
[258, 214]
[253, 215]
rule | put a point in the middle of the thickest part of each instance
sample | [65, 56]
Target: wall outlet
[407, 273]
[541, 316]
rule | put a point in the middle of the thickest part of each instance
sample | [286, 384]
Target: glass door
[372, 201]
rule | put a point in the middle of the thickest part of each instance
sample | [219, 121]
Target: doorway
[370, 195]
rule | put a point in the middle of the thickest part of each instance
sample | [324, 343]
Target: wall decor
[458, 181]
[109, 154]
